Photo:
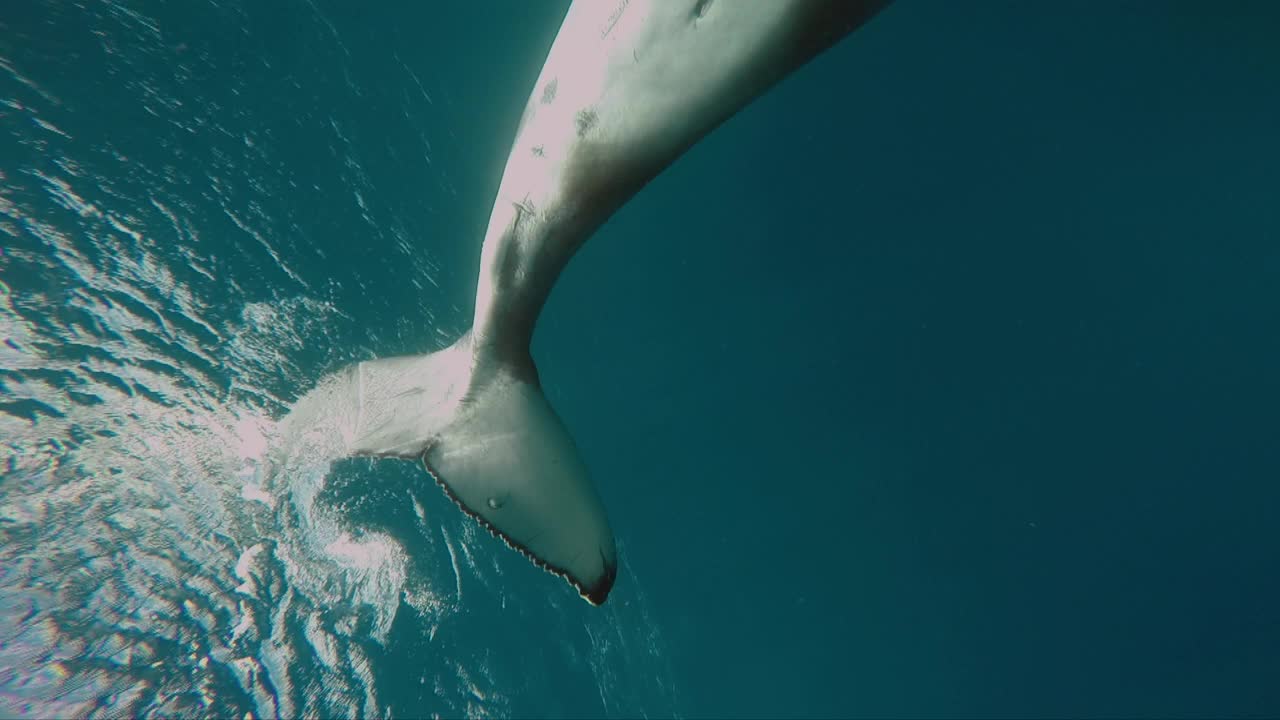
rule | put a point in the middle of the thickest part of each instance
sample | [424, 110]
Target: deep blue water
[939, 382]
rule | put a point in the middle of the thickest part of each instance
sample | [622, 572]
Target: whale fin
[508, 461]
[490, 439]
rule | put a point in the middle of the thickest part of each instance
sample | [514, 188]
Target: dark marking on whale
[614, 17]
[586, 119]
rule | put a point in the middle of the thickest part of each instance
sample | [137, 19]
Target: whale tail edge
[507, 460]
[486, 433]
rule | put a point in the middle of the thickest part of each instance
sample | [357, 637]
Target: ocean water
[940, 382]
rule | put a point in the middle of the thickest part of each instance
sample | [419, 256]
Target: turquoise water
[939, 382]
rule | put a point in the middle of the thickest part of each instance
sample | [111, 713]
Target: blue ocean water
[939, 382]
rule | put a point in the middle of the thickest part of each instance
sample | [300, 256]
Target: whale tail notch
[487, 435]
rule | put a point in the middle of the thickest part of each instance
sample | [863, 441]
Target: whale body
[627, 87]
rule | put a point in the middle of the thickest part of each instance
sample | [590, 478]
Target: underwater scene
[940, 381]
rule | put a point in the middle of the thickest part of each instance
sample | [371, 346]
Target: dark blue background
[940, 381]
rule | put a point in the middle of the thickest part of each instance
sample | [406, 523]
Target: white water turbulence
[164, 297]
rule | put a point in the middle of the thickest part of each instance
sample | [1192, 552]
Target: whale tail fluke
[487, 435]
[509, 462]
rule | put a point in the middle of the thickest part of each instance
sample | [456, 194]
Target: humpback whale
[627, 87]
